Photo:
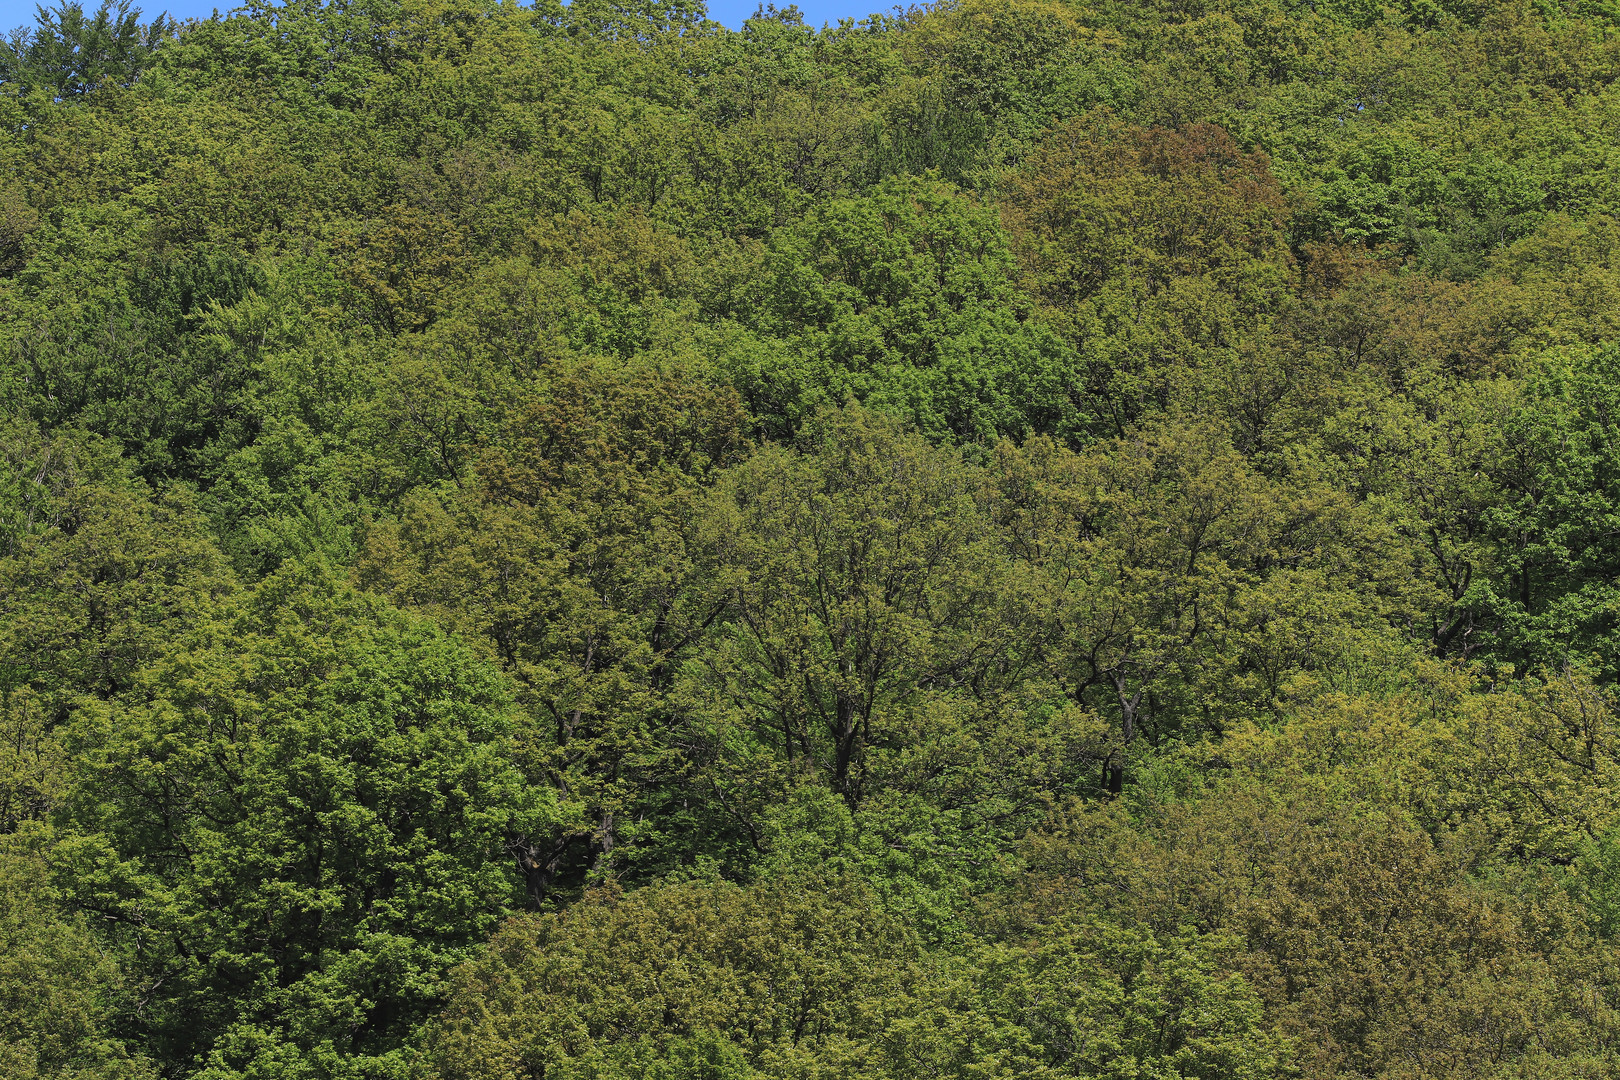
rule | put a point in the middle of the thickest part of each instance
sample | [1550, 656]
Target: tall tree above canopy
[68, 53]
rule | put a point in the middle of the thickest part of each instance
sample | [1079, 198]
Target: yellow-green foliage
[1017, 538]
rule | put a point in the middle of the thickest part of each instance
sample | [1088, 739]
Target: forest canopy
[1011, 538]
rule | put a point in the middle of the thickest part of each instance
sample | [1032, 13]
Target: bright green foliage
[904, 300]
[1012, 538]
[1560, 515]
[299, 820]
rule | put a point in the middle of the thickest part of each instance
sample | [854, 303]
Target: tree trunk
[1128, 704]
[846, 737]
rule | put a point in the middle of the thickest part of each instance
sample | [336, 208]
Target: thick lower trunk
[846, 738]
[1128, 703]
[844, 757]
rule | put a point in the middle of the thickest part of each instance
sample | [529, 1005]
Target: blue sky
[14, 13]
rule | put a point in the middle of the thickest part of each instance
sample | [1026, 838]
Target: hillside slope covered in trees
[1024, 538]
